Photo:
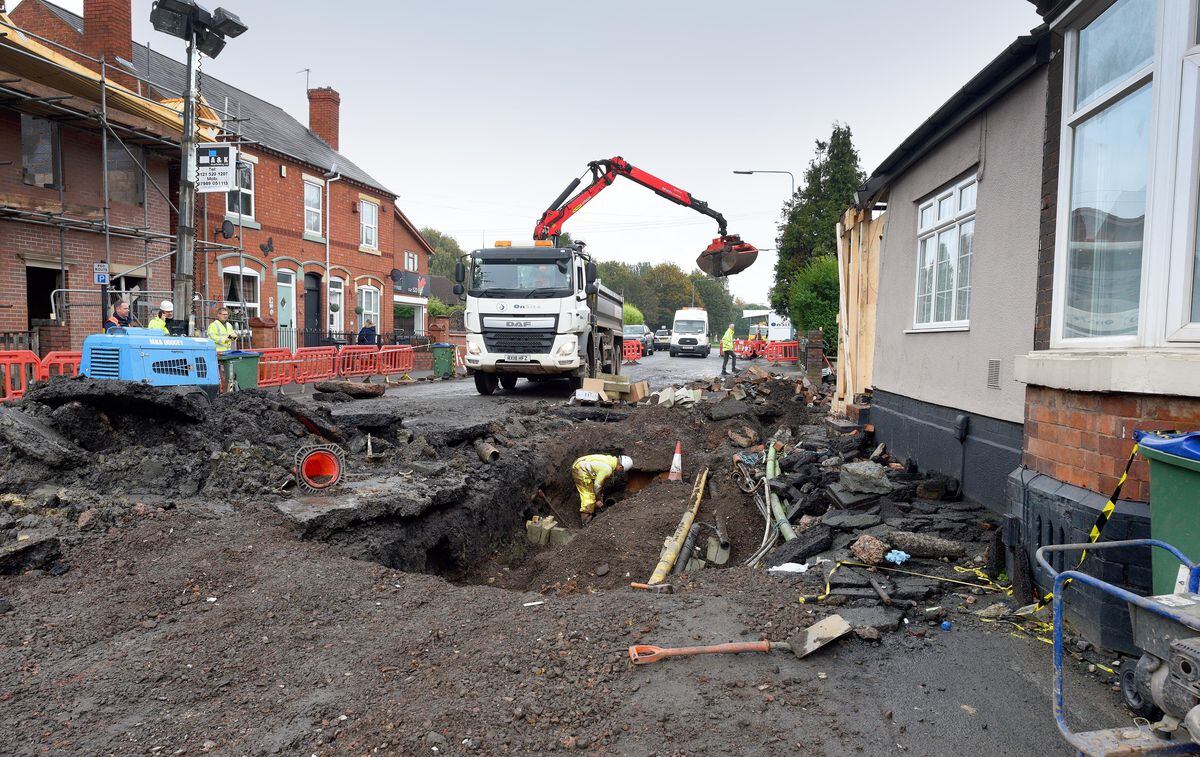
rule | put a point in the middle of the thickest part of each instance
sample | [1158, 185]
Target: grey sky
[478, 113]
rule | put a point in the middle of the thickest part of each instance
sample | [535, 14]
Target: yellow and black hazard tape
[1094, 536]
[987, 585]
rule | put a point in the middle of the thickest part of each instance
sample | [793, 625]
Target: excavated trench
[455, 516]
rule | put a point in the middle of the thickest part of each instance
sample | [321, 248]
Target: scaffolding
[25, 95]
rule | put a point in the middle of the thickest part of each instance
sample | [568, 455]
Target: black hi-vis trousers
[726, 356]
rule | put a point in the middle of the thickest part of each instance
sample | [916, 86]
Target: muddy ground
[214, 612]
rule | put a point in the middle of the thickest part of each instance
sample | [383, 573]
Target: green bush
[813, 299]
[439, 308]
[633, 316]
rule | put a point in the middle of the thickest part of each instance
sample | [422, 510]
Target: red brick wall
[36, 18]
[405, 240]
[279, 209]
[1049, 204]
[108, 29]
[1084, 438]
[82, 176]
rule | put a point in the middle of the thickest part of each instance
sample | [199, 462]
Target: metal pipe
[487, 452]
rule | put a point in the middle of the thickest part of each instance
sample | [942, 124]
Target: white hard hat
[166, 305]
[626, 462]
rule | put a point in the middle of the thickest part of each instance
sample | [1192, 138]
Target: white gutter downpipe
[330, 177]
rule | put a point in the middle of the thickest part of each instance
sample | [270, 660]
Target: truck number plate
[517, 358]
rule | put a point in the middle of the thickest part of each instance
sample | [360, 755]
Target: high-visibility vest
[596, 469]
[727, 341]
[222, 335]
[158, 323]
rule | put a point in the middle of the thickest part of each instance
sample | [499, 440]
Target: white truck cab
[537, 312]
[690, 333]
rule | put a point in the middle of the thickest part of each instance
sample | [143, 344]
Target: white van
[689, 333]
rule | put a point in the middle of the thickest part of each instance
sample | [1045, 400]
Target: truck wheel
[575, 381]
[508, 382]
[485, 383]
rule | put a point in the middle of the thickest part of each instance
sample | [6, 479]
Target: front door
[285, 296]
[313, 312]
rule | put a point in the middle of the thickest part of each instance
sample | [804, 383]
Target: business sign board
[216, 167]
[408, 282]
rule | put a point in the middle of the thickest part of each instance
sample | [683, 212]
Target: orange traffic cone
[676, 473]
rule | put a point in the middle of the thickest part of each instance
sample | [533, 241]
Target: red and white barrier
[60, 364]
[17, 369]
[314, 364]
[275, 366]
[782, 352]
[631, 352]
[395, 359]
[357, 360]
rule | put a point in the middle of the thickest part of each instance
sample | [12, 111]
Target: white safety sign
[216, 167]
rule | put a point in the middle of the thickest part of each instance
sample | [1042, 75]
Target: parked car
[641, 333]
[662, 339]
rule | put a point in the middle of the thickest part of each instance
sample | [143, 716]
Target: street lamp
[789, 173]
[205, 33]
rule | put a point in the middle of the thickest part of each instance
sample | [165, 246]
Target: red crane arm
[604, 172]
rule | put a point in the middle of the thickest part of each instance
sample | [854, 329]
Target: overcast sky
[478, 113]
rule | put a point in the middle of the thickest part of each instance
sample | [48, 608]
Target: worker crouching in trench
[591, 474]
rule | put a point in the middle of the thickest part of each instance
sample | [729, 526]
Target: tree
[564, 240]
[810, 218]
[437, 308]
[813, 303]
[446, 252]
[633, 316]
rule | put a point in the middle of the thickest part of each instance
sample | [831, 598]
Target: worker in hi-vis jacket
[591, 473]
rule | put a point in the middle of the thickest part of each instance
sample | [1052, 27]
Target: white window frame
[252, 307]
[363, 226]
[373, 315]
[249, 164]
[411, 262]
[337, 321]
[959, 214]
[319, 210]
[1172, 170]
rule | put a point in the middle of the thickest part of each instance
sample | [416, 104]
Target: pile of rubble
[885, 544]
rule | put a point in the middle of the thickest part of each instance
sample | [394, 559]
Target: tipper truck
[537, 313]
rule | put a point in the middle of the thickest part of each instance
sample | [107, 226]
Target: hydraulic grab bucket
[726, 256]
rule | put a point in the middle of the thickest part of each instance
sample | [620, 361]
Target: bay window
[1126, 256]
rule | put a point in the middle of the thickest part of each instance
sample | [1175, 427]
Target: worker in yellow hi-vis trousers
[591, 473]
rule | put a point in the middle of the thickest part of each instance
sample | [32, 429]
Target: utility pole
[185, 233]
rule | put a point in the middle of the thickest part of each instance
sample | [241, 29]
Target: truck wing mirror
[458, 290]
[592, 273]
[592, 287]
[460, 273]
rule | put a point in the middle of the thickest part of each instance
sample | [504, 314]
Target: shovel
[802, 644]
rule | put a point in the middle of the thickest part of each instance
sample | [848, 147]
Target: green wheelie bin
[443, 359]
[1174, 499]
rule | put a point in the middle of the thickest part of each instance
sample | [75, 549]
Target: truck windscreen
[689, 327]
[520, 277]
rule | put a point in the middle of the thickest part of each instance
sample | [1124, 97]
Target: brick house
[52, 203]
[411, 281]
[319, 249]
[1116, 340]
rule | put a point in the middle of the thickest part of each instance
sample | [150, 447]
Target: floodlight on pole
[205, 33]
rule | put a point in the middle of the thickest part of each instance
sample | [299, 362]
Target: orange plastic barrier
[274, 366]
[358, 360]
[60, 364]
[631, 352]
[782, 352]
[395, 358]
[17, 369]
[314, 364]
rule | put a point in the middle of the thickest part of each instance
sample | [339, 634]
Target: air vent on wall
[993, 373]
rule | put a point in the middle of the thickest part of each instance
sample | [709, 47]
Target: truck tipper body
[537, 313]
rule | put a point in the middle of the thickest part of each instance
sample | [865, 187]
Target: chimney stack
[108, 29]
[324, 105]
